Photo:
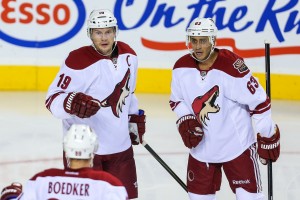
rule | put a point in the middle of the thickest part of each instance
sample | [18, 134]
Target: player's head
[201, 34]
[102, 29]
[80, 142]
[102, 18]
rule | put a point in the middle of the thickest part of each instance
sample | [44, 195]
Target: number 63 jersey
[226, 100]
[112, 81]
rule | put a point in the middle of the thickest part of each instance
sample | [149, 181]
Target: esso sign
[34, 16]
[40, 14]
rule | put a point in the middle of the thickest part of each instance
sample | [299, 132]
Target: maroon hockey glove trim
[81, 105]
[12, 191]
[137, 127]
[190, 130]
[269, 148]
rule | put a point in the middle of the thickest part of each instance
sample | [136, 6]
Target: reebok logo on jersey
[240, 182]
[202, 105]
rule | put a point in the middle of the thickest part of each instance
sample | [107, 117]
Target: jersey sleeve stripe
[261, 108]
[173, 104]
[50, 100]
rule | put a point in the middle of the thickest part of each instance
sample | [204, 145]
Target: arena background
[37, 35]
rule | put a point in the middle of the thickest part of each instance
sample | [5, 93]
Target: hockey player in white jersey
[78, 181]
[95, 85]
[216, 97]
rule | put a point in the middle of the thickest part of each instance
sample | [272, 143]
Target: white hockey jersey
[83, 184]
[111, 81]
[223, 99]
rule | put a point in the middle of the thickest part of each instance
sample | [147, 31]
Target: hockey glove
[12, 191]
[269, 148]
[81, 105]
[190, 130]
[137, 127]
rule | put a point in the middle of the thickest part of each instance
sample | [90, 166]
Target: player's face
[103, 39]
[201, 46]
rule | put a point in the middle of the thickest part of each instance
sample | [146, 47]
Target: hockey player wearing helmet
[95, 86]
[217, 100]
[201, 37]
[102, 29]
[79, 180]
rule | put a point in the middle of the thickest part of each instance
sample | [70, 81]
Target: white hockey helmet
[80, 142]
[103, 18]
[202, 27]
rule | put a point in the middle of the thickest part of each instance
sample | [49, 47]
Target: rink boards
[157, 81]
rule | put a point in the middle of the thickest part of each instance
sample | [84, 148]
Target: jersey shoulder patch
[125, 48]
[82, 58]
[231, 63]
[186, 61]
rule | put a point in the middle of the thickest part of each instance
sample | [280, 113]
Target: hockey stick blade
[169, 170]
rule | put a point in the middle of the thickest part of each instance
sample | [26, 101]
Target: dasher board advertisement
[36, 33]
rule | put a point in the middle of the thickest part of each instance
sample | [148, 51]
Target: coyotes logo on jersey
[117, 98]
[202, 105]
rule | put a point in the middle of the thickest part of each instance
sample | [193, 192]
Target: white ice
[31, 140]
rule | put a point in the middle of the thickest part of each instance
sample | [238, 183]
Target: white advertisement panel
[41, 33]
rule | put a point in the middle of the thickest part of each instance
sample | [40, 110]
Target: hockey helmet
[80, 142]
[101, 19]
[202, 27]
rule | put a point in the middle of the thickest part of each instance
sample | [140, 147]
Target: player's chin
[104, 50]
[107, 47]
[200, 57]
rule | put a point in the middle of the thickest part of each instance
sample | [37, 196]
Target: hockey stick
[164, 165]
[268, 90]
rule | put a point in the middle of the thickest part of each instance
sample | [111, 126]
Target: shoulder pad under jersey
[125, 48]
[83, 57]
[231, 63]
[186, 61]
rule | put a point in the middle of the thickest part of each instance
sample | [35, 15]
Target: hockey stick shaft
[268, 90]
[169, 170]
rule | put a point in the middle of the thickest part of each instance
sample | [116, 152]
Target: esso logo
[46, 17]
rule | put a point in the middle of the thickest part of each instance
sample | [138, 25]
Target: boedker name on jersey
[84, 183]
